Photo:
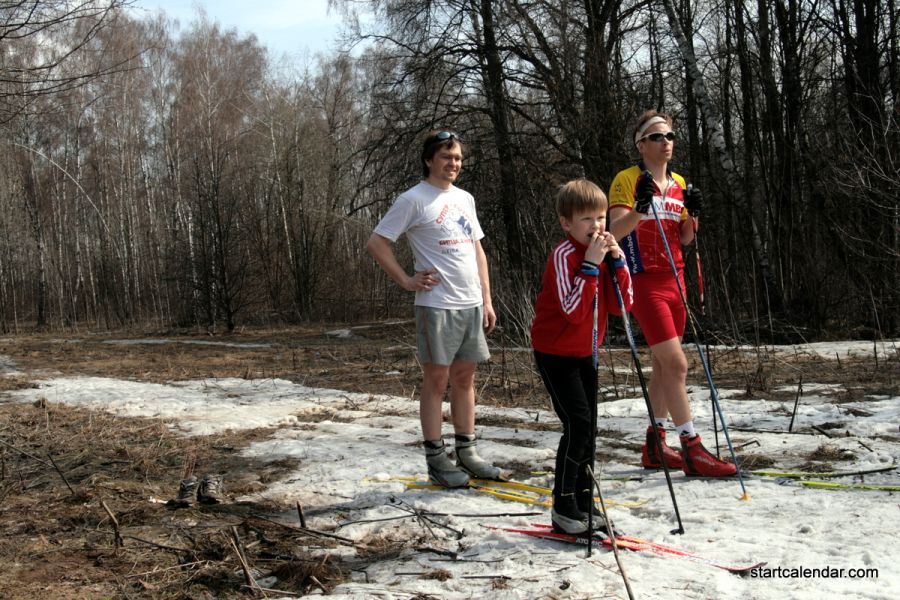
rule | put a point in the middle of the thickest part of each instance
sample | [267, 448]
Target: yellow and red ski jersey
[643, 247]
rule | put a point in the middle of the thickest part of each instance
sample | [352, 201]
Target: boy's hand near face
[612, 246]
[596, 249]
[600, 244]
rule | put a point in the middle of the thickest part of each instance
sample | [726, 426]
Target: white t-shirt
[442, 228]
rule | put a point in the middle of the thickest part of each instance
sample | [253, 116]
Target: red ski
[628, 542]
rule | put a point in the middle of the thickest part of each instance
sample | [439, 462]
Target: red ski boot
[651, 460]
[699, 461]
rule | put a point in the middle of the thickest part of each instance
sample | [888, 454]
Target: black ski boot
[586, 504]
[566, 517]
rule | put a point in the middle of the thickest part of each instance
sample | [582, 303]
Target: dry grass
[380, 358]
[59, 465]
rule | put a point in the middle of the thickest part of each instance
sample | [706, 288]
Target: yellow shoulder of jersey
[621, 192]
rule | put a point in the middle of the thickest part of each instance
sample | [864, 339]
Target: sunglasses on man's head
[658, 136]
[442, 136]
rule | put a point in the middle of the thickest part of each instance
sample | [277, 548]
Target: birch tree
[713, 121]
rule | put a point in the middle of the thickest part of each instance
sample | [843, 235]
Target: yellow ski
[833, 485]
[515, 491]
[825, 475]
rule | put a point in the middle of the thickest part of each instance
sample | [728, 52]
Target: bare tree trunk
[717, 140]
[30, 196]
[894, 57]
[498, 109]
[598, 126]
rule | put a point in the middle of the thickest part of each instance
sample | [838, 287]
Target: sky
[292, 27]
[352, 449]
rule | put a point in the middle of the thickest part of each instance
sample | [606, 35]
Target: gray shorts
[444, 335]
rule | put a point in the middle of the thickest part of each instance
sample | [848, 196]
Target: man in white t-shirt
[453, 301]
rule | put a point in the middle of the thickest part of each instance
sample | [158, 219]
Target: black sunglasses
[442, 136]
[658, 136]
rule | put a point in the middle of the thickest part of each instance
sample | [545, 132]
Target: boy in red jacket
[562, 336]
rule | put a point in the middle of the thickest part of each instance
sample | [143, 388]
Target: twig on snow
[301, 515]
[423, 517]
[307, 530]
[612, 533]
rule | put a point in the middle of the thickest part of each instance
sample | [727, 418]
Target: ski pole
[703, 313]
[714, 395]
[700, 290]
[640, 373]
[595, 360]
[699, 265]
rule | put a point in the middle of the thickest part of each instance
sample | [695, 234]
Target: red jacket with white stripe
[563, 313]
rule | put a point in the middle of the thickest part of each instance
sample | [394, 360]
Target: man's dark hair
[434, 141]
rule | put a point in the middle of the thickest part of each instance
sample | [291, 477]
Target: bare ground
[76, 516]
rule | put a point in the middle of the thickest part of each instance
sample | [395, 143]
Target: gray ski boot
[441, 470]
[468, 460]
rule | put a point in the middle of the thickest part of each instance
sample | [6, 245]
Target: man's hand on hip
[422, 281]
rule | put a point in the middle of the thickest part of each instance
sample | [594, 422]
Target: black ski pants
[572, 385]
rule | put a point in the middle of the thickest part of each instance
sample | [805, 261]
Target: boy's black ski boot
[566, 517]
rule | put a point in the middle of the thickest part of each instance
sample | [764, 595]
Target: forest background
[154, 175]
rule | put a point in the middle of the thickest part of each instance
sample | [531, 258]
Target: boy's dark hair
[434, 141]
[577, 196]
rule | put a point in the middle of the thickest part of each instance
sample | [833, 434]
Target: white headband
[650, 122]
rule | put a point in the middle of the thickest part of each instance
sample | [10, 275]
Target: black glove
[643, 195]
[693, 201]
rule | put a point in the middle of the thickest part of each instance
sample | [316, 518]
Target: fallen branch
[29, 455]
[755, 430]
[796, 403]
[119, 542]
[307, 530]
[318, 584]
[611, 530]
[440, 514]
[423, 517]
[468, 560]
[482, 515]
[453, 555]
[239, 549]
[745, 444]
[301, 515]
[273, 591]
[822, 431]
[157, 571]
[161, 546]
[63, 477]
[397, 518]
